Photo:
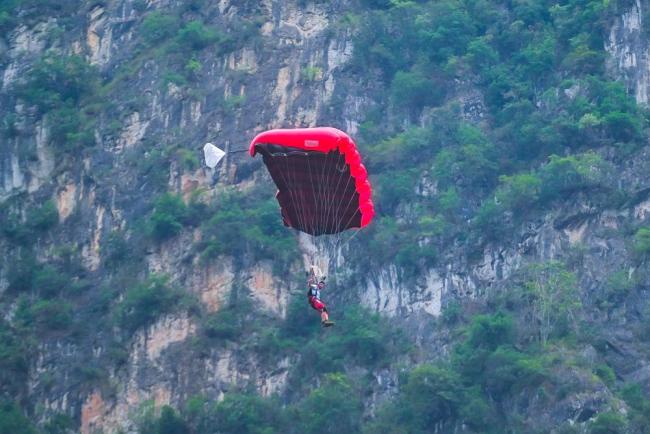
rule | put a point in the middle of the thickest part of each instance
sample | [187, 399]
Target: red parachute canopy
[322, 186]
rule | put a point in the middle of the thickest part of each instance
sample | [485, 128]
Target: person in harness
[313, 295]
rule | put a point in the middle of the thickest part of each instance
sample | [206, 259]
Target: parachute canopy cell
[212, 155]
[323, 187]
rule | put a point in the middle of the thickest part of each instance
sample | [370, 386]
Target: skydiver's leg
[320, 306]
[324, 315]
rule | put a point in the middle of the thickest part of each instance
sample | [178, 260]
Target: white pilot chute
[212, 154]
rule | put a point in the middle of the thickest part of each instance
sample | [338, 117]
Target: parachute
[323, 188]
[212, 155]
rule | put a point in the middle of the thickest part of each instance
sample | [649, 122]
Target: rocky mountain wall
[293, 72]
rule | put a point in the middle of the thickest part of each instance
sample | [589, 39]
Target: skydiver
[313, 295]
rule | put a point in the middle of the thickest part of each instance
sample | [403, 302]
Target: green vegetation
[233, 102]
[167, 423]
[43, 217]
[551, 293]
[642, 241]
[618, 286]
[488, 369]
[158, 26]
[12, 420]
[27, 275]
[116, 250]
[15, 348]
[609, 423]
[237, 413]
[548, 108]
[46, 315]
[639, 405]
[188, 159]
[234, 321]
[64, 88]
[39, 220]
[7, 19]
[29, 10]
[146, 301]
[153, 166]
[59, 424]
[195, 35]
[326, 397]
[334, 407]
[178, 43]
[310, 73]
[360, 340]
[431, 396]
[246, 225]
[168, 217]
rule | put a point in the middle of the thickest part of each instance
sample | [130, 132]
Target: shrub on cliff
[12, 419]
[58, 86]
[56, 79]
[609, 423]
[43, 217]
[44, 316]
[334, 407]
[158, 26]
[245, 225]
[641, 242]
[145, 302]
[168, 217]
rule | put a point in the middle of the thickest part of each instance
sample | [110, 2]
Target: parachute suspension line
[331, 211]
[290, 191]
[299, 202]
[355, 232]
[331, 197]
[322, 191]
[300, 209]
[302, 202]
[328, 194]
[315, 212]
[351, 238]
[331, 216]
[325, 196]
[328, 215]
[299, 212]
[338, 208]
[352, 216]
[335, 211]
[305, 219]
[318, 190]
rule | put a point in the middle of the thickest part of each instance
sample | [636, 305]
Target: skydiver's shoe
[327, 323]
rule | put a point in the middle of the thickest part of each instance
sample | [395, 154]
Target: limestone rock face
[629, 51]
[388, 294]
[99, 36]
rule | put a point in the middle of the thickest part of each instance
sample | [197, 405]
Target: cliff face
[263, 83]
[627, 47]
[291, 70]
